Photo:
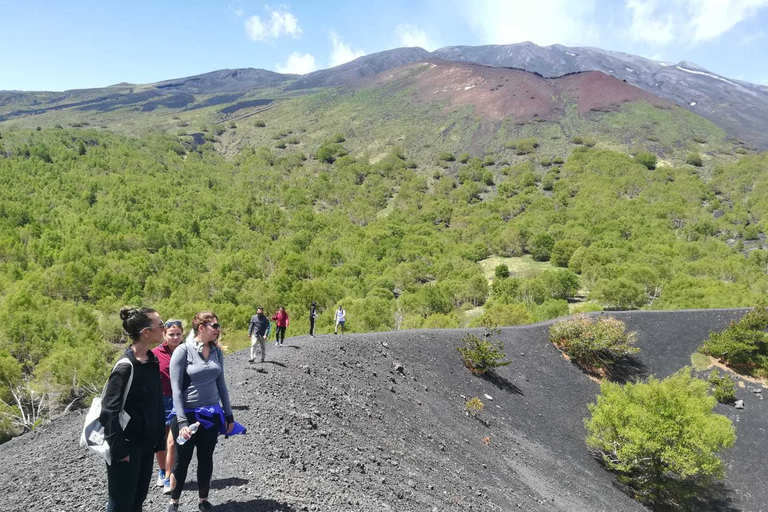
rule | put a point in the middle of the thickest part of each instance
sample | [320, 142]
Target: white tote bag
[93, 431]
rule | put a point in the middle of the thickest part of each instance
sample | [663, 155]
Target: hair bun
[127, 312]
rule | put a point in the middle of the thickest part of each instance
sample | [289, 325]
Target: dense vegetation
[90, 221]
[744, 344]
[660, 436]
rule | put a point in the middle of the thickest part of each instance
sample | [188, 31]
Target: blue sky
[56, 45]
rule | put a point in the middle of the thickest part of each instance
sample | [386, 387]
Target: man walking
[341, 318]
[259, 331]
[312, 316]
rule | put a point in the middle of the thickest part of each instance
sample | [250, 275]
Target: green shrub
[464, 158]
[699, 139]
[501, 271]
[488, 161]
[658, 434]
[446, 156]
[577, 139]
[744, 344]
[541, 246]
[474, 406]
[694, 159]
[259, 123]
[523, 146]
[482, 355]
[562, 252]
[506, 314]
[723, 387]
[280, 145]
[619, 294]
[594, 345]
[336, 138]
[647, 159]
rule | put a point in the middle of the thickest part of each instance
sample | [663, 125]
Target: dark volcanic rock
[326, 434]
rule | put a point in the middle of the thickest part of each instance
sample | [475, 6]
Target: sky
[55, 45]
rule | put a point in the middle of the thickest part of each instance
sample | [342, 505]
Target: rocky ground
[377, 422]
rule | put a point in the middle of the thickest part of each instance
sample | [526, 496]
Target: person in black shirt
[312, 316]
[133, 447]
[258, 330]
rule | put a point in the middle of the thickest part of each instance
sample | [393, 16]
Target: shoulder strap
[122, 360]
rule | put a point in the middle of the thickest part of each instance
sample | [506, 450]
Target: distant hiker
[281, 323]
[199, 392]
[312, 316]
[133, 448]
[259, 332]
[341, 317]
[173, 334]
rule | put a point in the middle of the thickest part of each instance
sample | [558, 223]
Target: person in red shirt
[173, 335]
[281, 322]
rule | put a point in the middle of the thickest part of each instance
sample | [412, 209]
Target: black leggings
[205, 440]
[128, 482]
[280, 334]
[311, 326]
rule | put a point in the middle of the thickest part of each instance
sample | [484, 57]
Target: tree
[647, 159]
[594, 345]
[694, 158]
[501, 271]
[482, 355]
[744, 344]
[541, 247]
[562, 252]
[619, 293]
[659, 433]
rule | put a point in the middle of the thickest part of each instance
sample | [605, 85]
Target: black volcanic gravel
[334, 427]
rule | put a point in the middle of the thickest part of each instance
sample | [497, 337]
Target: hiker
[133, 448]
[312, 316]
[199, 392]
[341, 317]
[172, 337]
[281, 323]
[258, 330]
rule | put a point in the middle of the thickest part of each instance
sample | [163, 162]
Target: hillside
[334, 427]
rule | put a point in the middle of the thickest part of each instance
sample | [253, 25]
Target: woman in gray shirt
[199, 396]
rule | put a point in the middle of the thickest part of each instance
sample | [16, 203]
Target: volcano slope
[334, 425]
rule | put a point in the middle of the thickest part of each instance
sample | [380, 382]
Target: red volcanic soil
[503, 92]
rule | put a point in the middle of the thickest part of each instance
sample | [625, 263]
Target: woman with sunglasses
[172, 337]
[133, 448]
[199, 393]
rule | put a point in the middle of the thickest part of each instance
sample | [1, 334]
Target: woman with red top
[172, 338]
[281, 322]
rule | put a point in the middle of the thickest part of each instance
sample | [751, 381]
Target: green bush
[541, 246]
[523, 146]
[694, 159]
[488, 161]
[562, 252]
[647, 159]
[619, 294]
[259, 123]
[577, 139]
[723, 387]
[446, 156]
[593, 344]
[501, 271]
[658, 434]
[482, 355]
[505, 315]
[744, 344]
[464, 158]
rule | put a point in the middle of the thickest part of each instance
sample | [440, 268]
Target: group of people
[177, 402]
[176, 396]
[259, 327]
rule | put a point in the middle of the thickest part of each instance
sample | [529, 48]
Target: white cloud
[650, 25]
[543, 22]
[238, 12]
[409, 35]
[687, 21]
[710, 18]
[342, 52]
[280, 23]
[298, 63]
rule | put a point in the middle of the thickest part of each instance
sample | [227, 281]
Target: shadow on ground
[710, 496]
[254, 506]
[628, 369]
[501, 383]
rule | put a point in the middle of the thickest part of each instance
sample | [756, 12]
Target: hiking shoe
[167, 486]
[160, 477]
[172, 507]
[205, 505]
[250, 360]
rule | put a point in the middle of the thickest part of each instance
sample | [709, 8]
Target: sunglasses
[171, 323]
[215, 326]
[153, 327]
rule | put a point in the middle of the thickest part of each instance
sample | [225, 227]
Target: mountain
[738, 107]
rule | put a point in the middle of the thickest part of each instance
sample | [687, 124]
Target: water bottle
[192, 429]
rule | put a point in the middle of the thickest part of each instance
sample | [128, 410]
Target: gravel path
[333, 426]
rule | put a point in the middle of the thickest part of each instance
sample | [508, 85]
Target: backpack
[92, 436]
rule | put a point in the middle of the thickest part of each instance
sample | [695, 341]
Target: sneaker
[276, 343]
[205, 505]
[250, 360]
[172, 507]
[160, 477]
[167, 486]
